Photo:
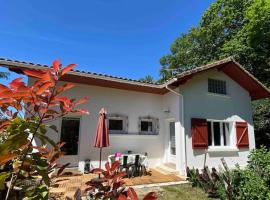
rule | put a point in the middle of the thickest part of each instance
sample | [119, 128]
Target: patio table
[131, 159]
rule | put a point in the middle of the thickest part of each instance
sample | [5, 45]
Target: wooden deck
[67, 185]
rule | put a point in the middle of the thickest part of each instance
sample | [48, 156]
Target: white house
[203, 111]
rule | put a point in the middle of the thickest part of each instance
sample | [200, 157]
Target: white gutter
[184, 154]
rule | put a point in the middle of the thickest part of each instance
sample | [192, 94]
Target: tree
[4, 74]
[238, 28]
[147, 79]
[28, 112]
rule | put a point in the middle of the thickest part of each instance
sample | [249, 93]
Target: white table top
[131, 158]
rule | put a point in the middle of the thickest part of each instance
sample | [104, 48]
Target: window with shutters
[242, 134]
[219, 133]
[217, 86]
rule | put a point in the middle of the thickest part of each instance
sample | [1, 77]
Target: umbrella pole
[100, 152]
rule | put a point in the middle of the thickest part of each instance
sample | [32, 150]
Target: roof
[229, 66]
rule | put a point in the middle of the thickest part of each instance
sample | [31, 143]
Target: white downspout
[182, 125]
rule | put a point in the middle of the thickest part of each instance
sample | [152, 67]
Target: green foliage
[261, 117]
[3, 177]
[252, 182]
[259, 163]
[193, 177]
[238, 28]
[147, 79]
[248, 185]
[4, 74]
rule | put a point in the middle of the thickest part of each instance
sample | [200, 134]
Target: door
[172, 146]
[70, 131]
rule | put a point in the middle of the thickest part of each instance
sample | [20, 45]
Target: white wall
[198, 103]
[172, 102]
[130, 103]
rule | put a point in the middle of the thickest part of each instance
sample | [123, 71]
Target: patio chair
[136, 166]
[125, 166]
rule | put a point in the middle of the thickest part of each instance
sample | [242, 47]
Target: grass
[185, 191]
[181, 192]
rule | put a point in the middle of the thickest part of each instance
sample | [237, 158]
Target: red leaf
[56, 65]
[66, 86]
[33, 72]
[62, 169]
[67, 69]
[40, 149]
[151, 196]
[4, 125]
[122, 197]
[119, 175]
[16, 83]
[9, 94]
[44, 87]
[23, 88]
[48, 77]
[97, 171]
[132, 194]
[6, 158]
[107, 166]
[3, 88]
[82, 100]
[82, 111]
[6, 101]
[115, 165]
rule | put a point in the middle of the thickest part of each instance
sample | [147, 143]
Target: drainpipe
[182, 124]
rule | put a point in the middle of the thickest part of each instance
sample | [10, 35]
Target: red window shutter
[199, 131]
[242, 134]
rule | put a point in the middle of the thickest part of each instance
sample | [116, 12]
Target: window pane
[70, 135]
[209, 134]
[172, 138]
[146, 126]
[224, 134]
[217, 86]
[217, 133]
[116, 124]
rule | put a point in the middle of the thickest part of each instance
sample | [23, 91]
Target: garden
[251, 182]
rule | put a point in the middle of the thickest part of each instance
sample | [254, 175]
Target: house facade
[195, 118]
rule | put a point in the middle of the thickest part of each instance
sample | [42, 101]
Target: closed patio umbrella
[102, 136]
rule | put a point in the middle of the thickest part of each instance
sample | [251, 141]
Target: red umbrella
[102, 136]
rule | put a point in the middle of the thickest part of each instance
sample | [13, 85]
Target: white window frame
[231, 146]
[124, 119]
[155, 125]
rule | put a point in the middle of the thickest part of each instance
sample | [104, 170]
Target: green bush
[250, 183]
[259, 163]
[247, 184]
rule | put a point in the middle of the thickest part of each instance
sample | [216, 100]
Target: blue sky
[117, 37]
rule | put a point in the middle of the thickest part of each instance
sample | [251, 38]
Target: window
[218, 133]
[148, 125]
[117, 124]
[217, 86]
[70, 135]
[172, 138]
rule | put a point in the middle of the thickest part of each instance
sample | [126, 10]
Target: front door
[172, 146]
[70, 131]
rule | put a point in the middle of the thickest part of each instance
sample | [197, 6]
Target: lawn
[181, 192]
